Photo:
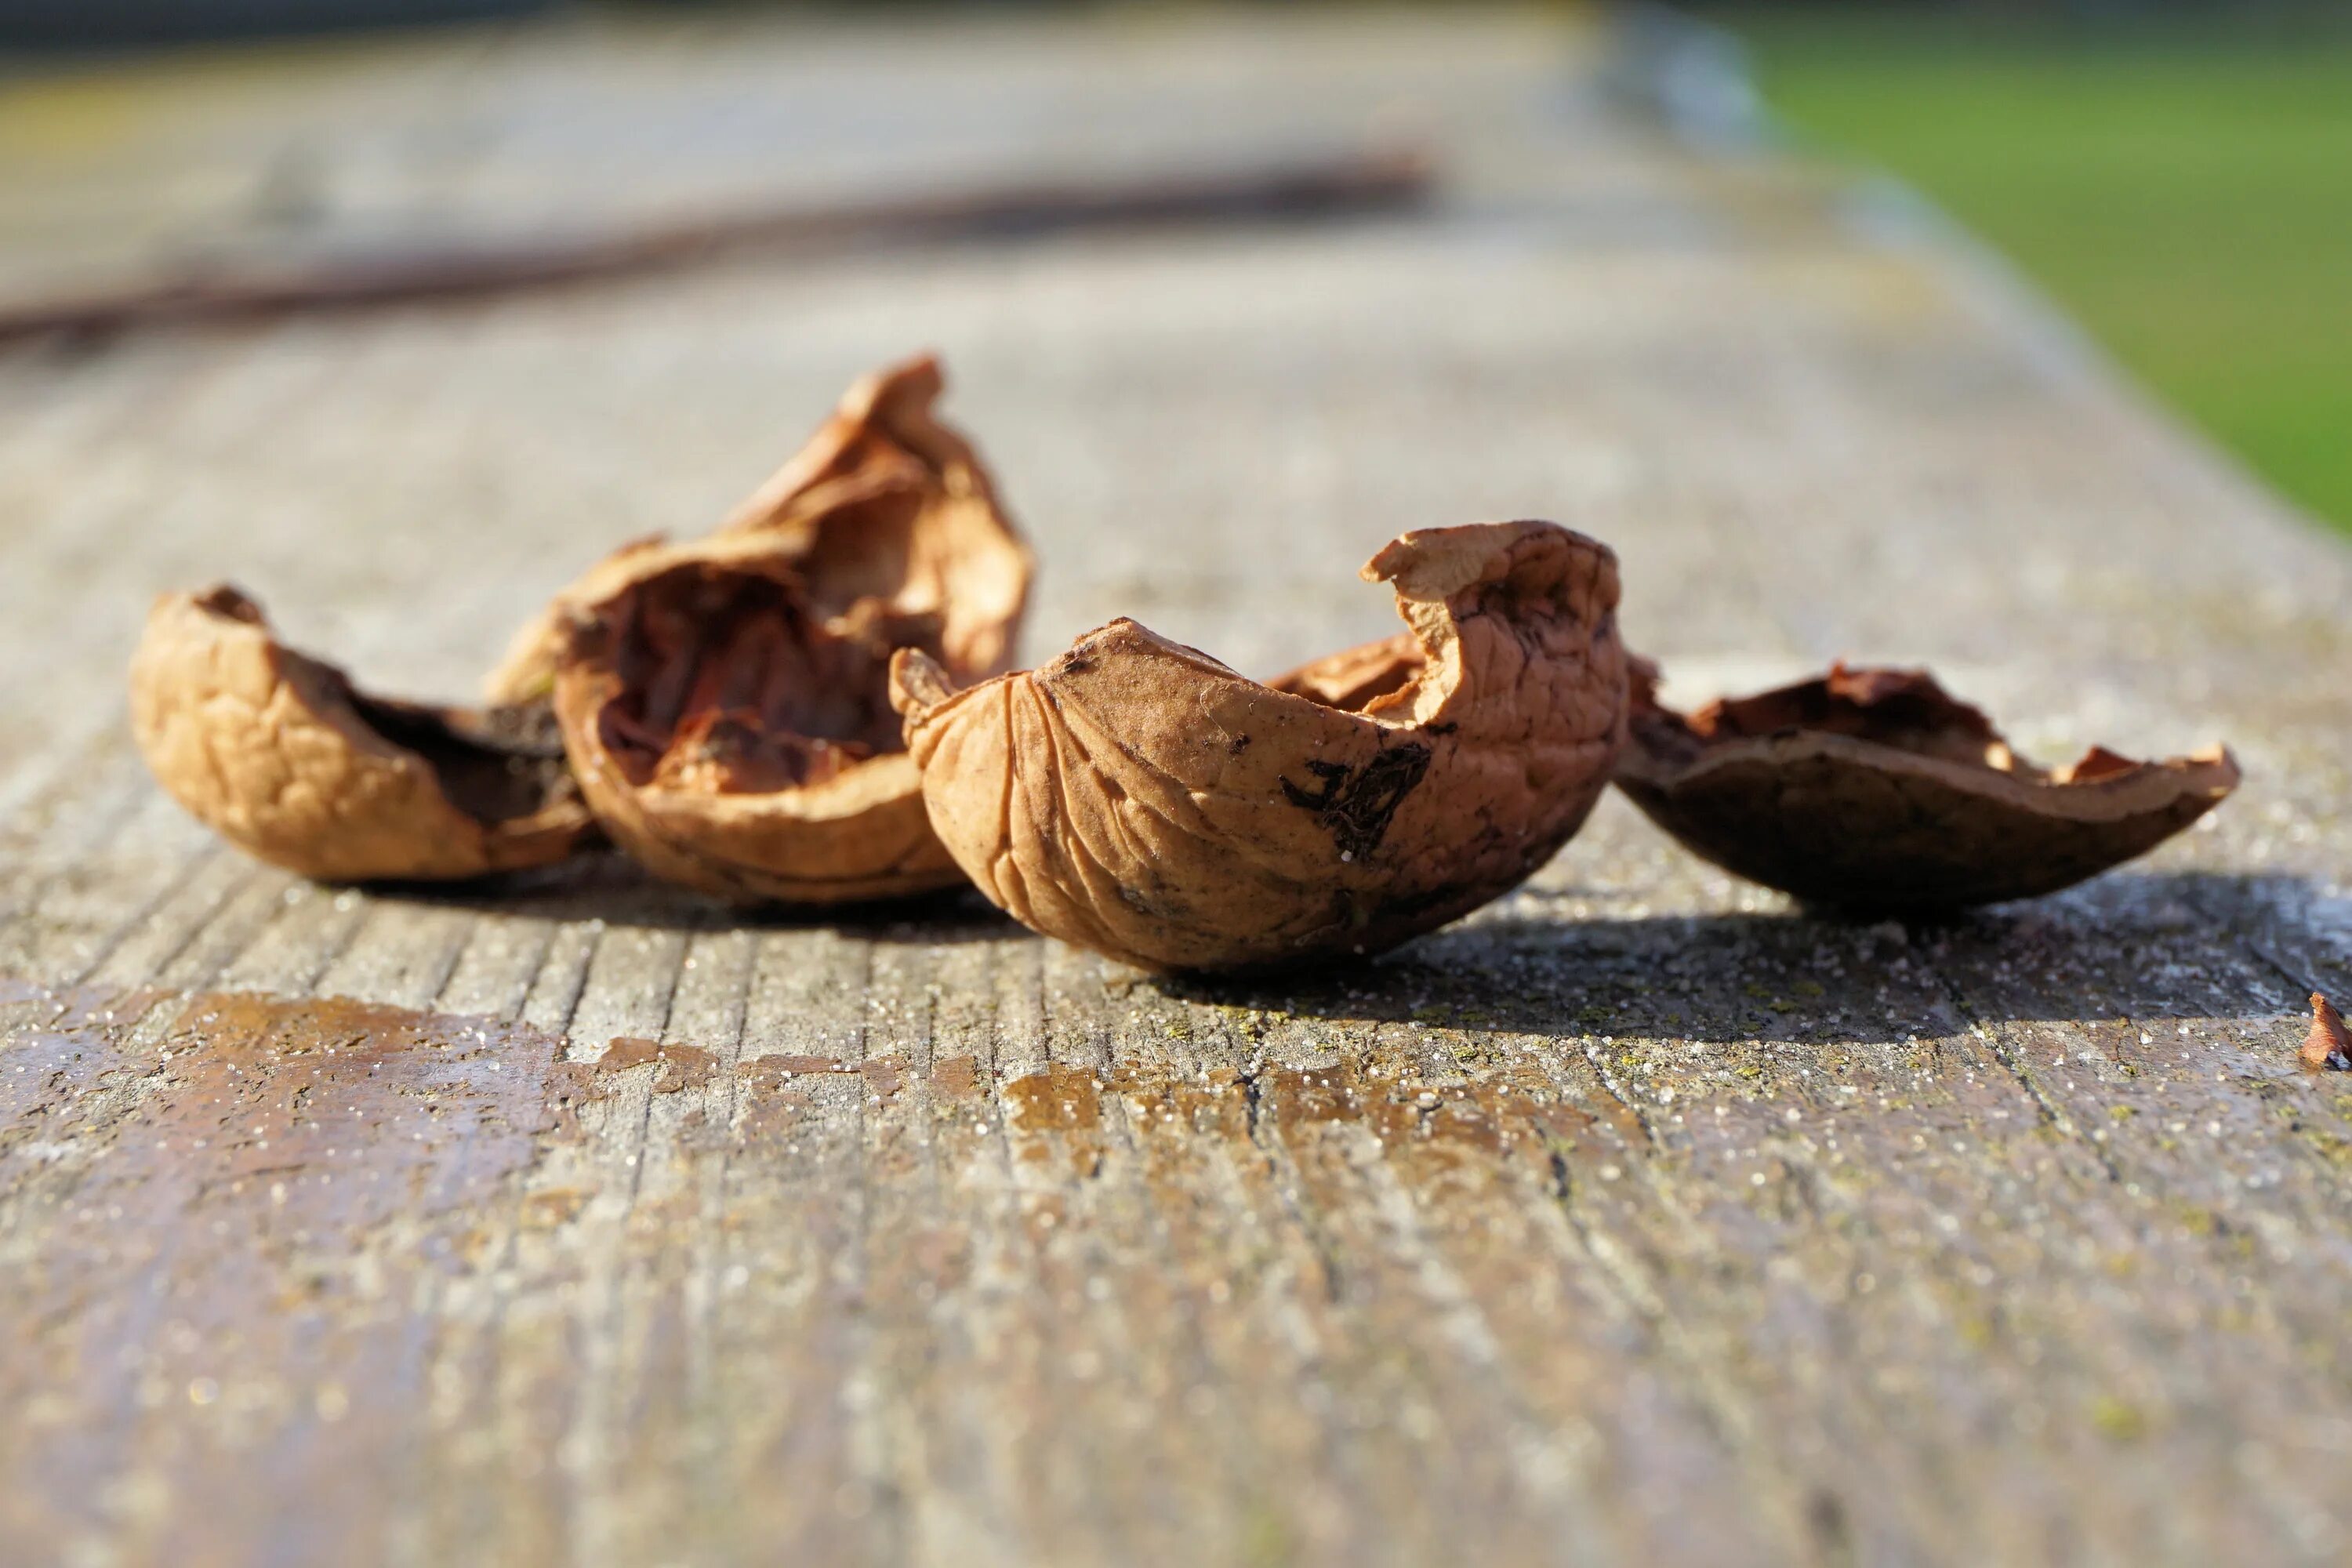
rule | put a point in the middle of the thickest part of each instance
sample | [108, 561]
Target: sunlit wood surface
[1638, 1219]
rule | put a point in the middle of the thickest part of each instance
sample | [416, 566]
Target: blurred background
[2177, 174]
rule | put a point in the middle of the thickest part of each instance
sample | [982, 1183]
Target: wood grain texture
[1637, 1219]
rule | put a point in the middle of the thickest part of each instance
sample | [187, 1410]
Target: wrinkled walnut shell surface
[725, 701]
[277, 754]
[1876, 790]
[1138, 798]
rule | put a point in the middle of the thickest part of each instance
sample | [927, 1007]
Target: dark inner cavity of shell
[1903, 709]
[495, 764]
[729, 682]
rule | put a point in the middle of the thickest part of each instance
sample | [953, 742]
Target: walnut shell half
[1875, 790]
[277, 754]
[884, 501]
[725, 701]
[1138, 798]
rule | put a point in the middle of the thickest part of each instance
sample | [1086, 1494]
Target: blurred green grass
[2187, 195]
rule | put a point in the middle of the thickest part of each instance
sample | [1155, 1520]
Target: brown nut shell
[2328, 1045]
[884, 501]
[726, 703]
[732, 739]
[1875, 790]
[1138, 798]
[278, 753]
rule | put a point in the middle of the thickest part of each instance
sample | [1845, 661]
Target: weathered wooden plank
[1638, 1218]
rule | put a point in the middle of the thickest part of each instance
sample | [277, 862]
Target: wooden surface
[1637, 1219]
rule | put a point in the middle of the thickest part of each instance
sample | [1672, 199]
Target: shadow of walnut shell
[1873, 790]
[277, 754]
[1138, 798]
[883, 503]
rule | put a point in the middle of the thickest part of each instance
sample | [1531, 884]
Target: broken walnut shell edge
[882, 463]
[1138, 798]
[278, 753]
[1875, 790]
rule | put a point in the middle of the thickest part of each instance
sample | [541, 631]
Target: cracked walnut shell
[1875, 790]
[884, 501]
[732, 739]
[280, 755]
[1138, 798]
[725, 702]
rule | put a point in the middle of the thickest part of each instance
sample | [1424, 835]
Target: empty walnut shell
[732, 738]
[726, 702]
[280, 755]
[883, 503]
[1875, 790]
[1138, 798]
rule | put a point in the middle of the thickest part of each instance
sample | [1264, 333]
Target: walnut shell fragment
[884, 501]
[1875, 790]
[1138, 798]
[725, 702]
[2328, 1045]
[280, 755]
